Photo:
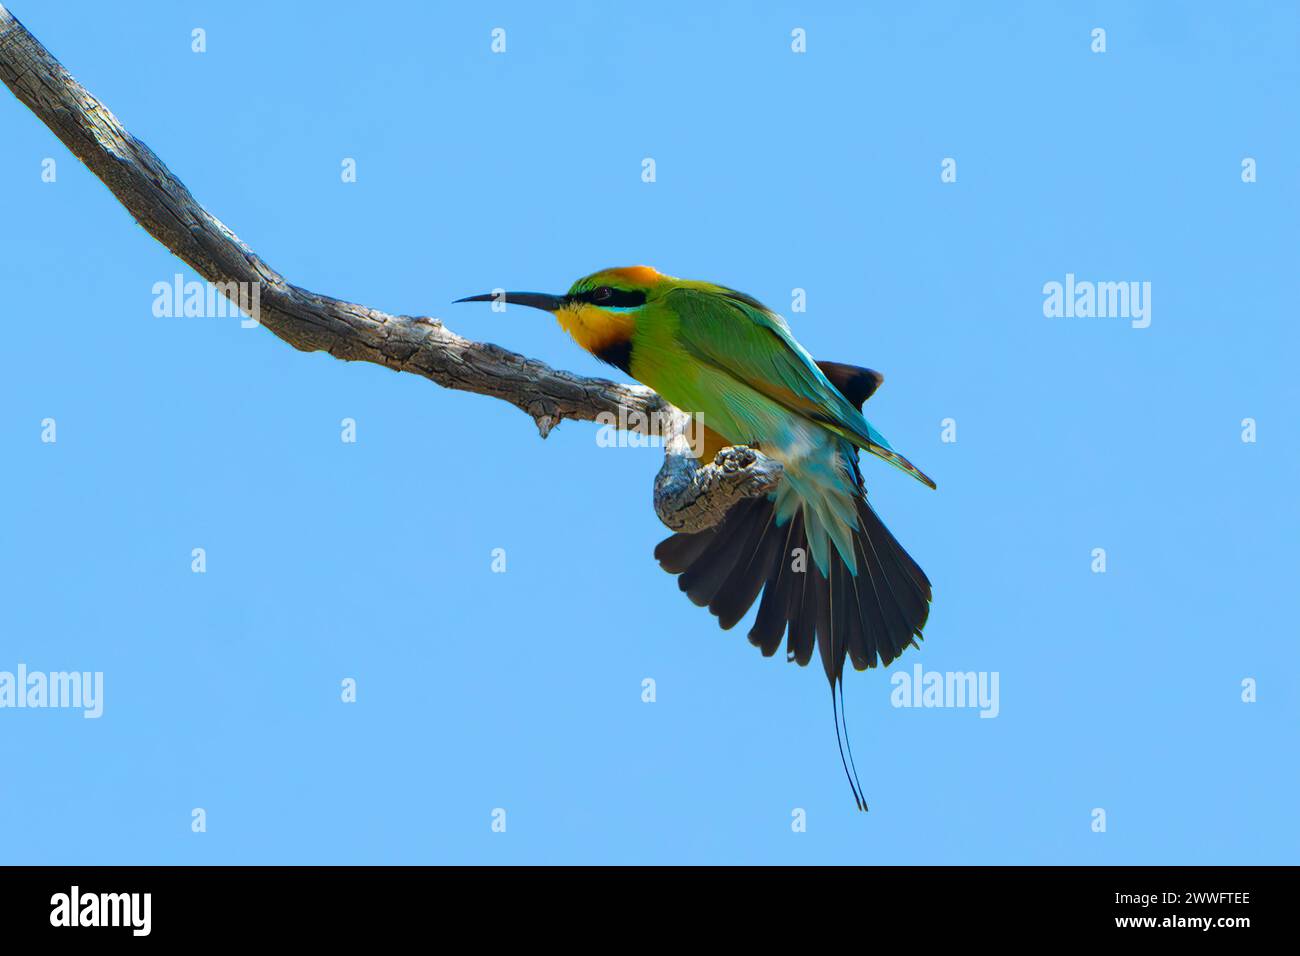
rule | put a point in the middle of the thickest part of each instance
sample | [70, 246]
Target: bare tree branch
[421, 345]
[690, 497]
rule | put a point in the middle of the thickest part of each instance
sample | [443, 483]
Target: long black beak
[534, 300]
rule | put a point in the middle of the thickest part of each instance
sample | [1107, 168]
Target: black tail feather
[742, 586]
[854, 784]
[779, 590]
[679, 552]
[803, 619]
[730, 545]
[844, 718]
[869, 618]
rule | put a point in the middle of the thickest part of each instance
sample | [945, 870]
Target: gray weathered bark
[688, 496]
[691, 498]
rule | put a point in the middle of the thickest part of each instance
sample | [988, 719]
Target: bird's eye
[603, 294]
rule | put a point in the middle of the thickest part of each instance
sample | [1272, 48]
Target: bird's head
[600, 311]
[611, 292]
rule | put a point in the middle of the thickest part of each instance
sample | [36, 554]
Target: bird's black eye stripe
[613, 298]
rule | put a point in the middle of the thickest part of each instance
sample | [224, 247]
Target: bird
[723, 356]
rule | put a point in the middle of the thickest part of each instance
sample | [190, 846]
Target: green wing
[739, 336]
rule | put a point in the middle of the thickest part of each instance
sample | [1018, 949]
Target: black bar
[235, 904]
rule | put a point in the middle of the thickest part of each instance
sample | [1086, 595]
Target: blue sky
[774, 170]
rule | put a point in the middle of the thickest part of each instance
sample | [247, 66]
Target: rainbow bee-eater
[733, 362]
